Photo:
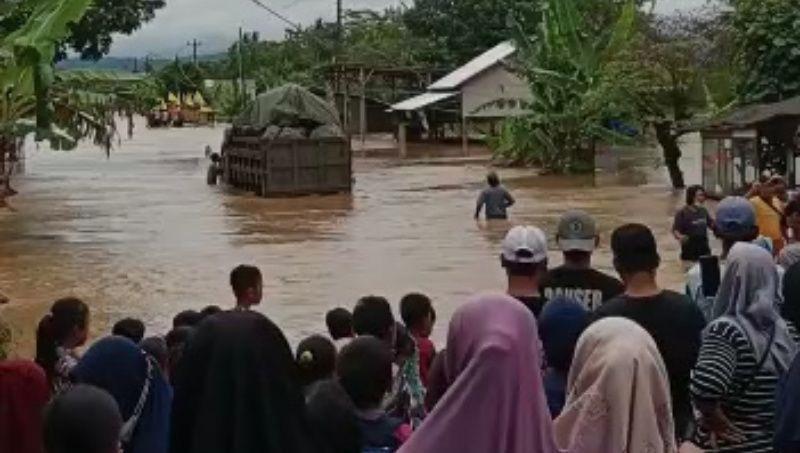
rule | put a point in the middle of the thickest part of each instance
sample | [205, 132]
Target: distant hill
[127, 64]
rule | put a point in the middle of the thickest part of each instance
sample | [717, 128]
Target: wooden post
[401, 138]
[464, 133]
[363, 111]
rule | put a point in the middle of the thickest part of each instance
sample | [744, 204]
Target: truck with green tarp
[287, 142]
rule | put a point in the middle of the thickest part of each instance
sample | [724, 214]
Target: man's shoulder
[612, 306]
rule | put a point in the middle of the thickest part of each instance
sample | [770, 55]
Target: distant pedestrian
[576, 279]
[495, 198]
[691, 226]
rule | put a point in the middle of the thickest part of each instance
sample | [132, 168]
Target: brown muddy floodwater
[140, 234]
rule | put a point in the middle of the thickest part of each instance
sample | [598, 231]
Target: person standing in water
[496, 199]
[691, 226]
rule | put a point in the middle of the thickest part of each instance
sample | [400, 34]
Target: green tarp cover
[288, 106]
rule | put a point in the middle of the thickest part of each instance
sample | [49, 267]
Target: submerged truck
[287, 142]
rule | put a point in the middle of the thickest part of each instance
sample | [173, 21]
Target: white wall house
[486, 88]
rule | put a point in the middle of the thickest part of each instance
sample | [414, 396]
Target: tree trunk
[672, 152]
[8, 155]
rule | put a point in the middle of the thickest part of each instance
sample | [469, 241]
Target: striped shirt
[727, 365]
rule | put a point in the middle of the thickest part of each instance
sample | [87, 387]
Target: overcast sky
[216, 22]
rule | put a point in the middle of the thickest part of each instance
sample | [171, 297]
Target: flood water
[140, 234]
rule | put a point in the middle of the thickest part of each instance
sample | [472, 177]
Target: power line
[277, 14]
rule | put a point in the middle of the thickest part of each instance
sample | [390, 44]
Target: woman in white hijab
[618, 396]
[746, 349]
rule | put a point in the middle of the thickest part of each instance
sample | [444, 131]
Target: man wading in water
[496, 199]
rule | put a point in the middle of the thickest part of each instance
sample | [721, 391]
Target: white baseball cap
[525, 245]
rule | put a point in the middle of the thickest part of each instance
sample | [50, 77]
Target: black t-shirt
[693, 222]
[676, 324]
[534, 303]
[590, 287]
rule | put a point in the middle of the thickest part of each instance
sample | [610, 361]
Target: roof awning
[421, 101]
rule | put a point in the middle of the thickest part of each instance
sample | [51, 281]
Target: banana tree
[62, 107]
[580, 86]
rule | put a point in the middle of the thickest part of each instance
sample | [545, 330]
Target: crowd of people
[565, 359]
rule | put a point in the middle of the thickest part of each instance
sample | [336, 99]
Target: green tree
[767, 38]
[91, 36]
[62, 107]
[579, 83]
[686, 61]
[458, 30]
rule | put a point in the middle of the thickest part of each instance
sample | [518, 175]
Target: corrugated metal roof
[751, 115]
[420, 101]
[482, 62]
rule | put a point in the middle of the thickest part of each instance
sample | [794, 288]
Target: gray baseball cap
[577, 231]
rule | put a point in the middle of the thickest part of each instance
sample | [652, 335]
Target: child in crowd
[418, 316]
[373, 316]
[83, 419]
[156, 347]
[364, 370]
[340, 326]
[186, 318]
[176, 339]
[60, 332]
[407, 400]
[316, 360]
[247, 285]
[130, 328]
[561, 324]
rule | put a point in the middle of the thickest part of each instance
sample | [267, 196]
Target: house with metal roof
[747, 142]
[483, 90]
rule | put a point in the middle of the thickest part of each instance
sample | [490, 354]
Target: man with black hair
[340, 326]
[83, 419]
[364, 370]
[373, 316]
[186, 318]
[130, 328]
[247, 285]
[576, 279]
[496, 199]
[674, 322]
[524, 258]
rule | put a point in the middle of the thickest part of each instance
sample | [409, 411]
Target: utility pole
[241, 65]
[194, 44]
[339, 26]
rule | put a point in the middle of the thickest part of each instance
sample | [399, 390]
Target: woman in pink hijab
[618, 397]
[495, 400]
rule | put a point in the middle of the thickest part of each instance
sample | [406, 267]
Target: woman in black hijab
[236, 390]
